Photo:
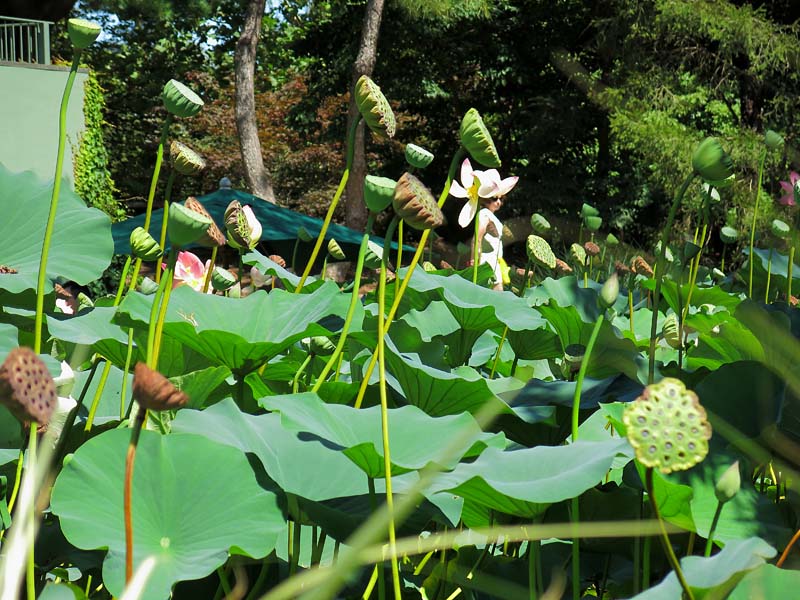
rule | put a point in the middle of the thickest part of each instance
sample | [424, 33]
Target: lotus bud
[641, 267]
[213, 235]
[593, 223]
[378, 192]
[278, 260]
[303, 235]
[153, 391]
[373, 255]
[671, 331]
[242, 225]
[82, 33]
[539, 224]
[26, 387]
[179, 100]
[222, 279]
[321, 346]
[144, 245]
[591, 249]
[428, 267]
[147, 286]
[611, 240]
[562, 267]
[186, 226]
[539, 252]
[773, 140]
[578, 255]
[335, 250]
[573, 356]
[477, 140]
[728, 484]
[780, 229]
[417, 156]
[185, 160]
[374, 108]
[667, 427]
[728, 235]
[711, 162]
[609, 292]
[415, 204]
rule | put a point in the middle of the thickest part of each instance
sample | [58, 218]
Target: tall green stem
[713, 530]
[30, 576]
[769, 276]
[162, 311]
[165, 217]
[122, 278]
[399, 260]
[476, 245]
[351, 137]
[127, 492]
[789, 274]
[210, 272]
[755, 216]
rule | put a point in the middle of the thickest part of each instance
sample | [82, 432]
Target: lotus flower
[190, 270]
[476, 185]
[791, 189]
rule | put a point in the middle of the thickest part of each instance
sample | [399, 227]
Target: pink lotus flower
[476, 185]
[189, 270]
[791, 189]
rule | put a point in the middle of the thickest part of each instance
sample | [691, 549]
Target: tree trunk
[245, 63]
[356, 210]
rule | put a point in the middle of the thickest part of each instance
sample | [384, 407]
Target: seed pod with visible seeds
[563, 267]
[26, 387]
[591, 248]
[477, 140]
[374, 108]
[153, 391]
[671, 331]
[641, 267]
[539, 224]
[578, 255]
[185, 160]
[213, 235]
[428, 267]
[415, 204]
[539, 252]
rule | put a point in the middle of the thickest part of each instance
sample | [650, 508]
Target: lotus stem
[659, 274]
[532, 581]
[630, 311]
[694, 268]
[324, 266]
[97, 394]
[786, 550]
[300, 371]
[497, 355]
[294, 254]
[755, 216]
[351, 136]
[399, 260]
[210, 272]
[151, 331]
[122, 278]
[712, 531]
[30, 573]
[370, 222]
[165, 218]
[130, 458]
[162, 312]
[125, 370]
[789, 274]
[525, 279]
[476, 246]
[769, 276]
[378, 573]
[722, 262]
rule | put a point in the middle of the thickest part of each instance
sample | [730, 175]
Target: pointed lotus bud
[728, 484]
[26, 387]
[773, 140]
[179, 100]
[82, 33]
[609, 292]
[242, 225]
[728, 235]
[611, 240]
[378, 192]
[153, 391]
[591, 248]
[671, 331]
[374, 108]
[539, 224]
[539, 252]
[711, 162]
[641, 267]
[222, 279]
[415, 204]
[213, 235]
[185, 226]
[593, 223]
[144, 245]
[780, 229]
[335, 250]
[477, 140]
[578, 255]
[185, 160]
[417, 156]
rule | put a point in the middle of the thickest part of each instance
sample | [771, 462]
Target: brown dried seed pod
[415, 204]
[278, 260]
[591, 248]
[213, 236]
[563, 267]
[153, 391]
[26, 387]
[621, 268]
[641, 267]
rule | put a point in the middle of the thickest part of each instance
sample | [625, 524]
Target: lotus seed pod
[378, 192]
[303, 235]
[641, 267]
[242, 225]
[611, 240]
[593, 223]
[671, 331]
[213, 235]
[373, 255]
[621, 269]
[321, 346]
[728, 484]
[144, 245]
[780, 229]
[711, 162]
[539, 224]
[185, 226]
[667, 427]
[222, 279]
[728, 235]
[578, 255]
[26, 387]
[428, 267]
[591, 249]
[335, 250]
[415, 204]
[562, 267]
[507, 236]
[477, 140]
[179, 100]
[573, 356]
[155, 392]
[773, 140]
[374, 108]
[689, 251]
[278, 260]
[587, 210]
[147, 286]
[609, 292]
[82, 33]
[185, 160]
[539, 252]
[417, 156]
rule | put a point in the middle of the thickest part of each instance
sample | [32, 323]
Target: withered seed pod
[26, 387]
[153, 391]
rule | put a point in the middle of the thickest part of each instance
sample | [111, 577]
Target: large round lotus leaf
[194, 502]
[82, 245]
[767, 581]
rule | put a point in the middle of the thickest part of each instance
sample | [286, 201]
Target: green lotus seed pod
[179, 100]
[428, 267]
[728, 235]
[185, 160]
[147, 286]
[372, 257]
[378, 192]
[728, 484]
[611, 240]
[593, 223]
[578, 255]
[222, 279]
[540, 252]
[185, 226]
[671, 331]
[711, 162]
[780, 229]
[573, 356]
[477, 140]
[144, 245]
[417, 156]
[374, 108]
[415, 204]
[667, 427]
[539, 224]
[321, 346]
[82, 33]
[609, 292]
[335, 250]
[689, 251]
[773, 140]
[587, 210]
[303, 235]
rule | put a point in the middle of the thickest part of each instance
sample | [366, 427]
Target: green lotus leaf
[81, 247]
[94, 328]
[189, 530]
[288, 279]
[766, 581]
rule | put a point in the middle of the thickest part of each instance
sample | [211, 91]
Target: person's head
[493, 204]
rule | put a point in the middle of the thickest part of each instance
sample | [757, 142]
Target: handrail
[24, 40]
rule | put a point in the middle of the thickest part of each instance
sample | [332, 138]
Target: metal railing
[24, 40]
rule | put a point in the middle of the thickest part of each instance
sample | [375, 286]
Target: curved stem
[127, 492]
[125, 370]
[755, 216]
[97, 394]
[694, 268]
[294, 255]
[351, 136]
[153, 319]
[210, 271]
[123, 277]
[712, 531]
[786, 550]
[300, 371]
[165, 218]
[769, 276]
[51, 216]
[499, 348]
